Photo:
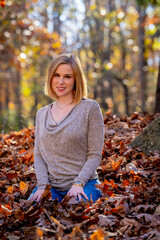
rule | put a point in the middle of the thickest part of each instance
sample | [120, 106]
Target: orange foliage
[129, 185]
[98, 235]
[2, 3]
[23, 187]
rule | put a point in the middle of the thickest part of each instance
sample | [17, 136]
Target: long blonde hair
[80, 86]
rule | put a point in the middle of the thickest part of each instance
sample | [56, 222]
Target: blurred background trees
[117, 41]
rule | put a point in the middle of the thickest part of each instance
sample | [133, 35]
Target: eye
[56, 75]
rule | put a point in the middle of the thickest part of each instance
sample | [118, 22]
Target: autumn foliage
[128, 209]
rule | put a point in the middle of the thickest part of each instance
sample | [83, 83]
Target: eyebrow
[65, 74]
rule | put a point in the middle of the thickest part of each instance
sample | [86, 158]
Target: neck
[64, 100]
[63, 106]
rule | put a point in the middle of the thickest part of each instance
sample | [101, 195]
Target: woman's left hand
[77, 191]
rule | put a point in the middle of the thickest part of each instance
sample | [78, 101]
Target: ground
[130, 182]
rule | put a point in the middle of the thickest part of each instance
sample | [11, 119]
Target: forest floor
[130, 182]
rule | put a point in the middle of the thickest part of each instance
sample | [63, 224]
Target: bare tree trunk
[18, 98]
[142, 75]
[6, 93]
[157, 103]
[45, 14]
[126, 94]
[124, 76]
[57, 9]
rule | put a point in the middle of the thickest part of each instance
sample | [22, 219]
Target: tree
[142, 61]
[157, 102]
[25, 52]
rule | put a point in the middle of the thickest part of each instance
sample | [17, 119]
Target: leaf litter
[130, 183]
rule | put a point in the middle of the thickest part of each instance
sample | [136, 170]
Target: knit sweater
[69, 150]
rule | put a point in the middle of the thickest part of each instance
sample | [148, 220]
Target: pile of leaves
[130, 181]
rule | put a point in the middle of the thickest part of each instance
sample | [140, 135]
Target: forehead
[64, 68]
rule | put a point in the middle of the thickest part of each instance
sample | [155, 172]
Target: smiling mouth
[61, 88]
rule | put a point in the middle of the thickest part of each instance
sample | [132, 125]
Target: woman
[68, 136]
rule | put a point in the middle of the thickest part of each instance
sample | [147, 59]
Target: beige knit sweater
[69, 150]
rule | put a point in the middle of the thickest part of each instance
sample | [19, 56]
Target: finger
[79, 196]
[69, 194]
[38, 199]
[84, 195]
[33, 198]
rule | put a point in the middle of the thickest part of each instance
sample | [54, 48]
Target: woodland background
[117, 41]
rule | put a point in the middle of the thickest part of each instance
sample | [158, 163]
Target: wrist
[78, 183]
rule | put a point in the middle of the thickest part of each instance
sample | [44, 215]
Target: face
[63, 81]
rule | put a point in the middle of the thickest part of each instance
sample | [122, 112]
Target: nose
[61, 80]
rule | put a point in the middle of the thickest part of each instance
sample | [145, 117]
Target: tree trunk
[45, 14]
[142, 76]
[149, 140]
[57, 9]
[18, 98]
[126, 94]
[157, 103]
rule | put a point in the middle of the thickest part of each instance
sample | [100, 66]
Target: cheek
[53, 82]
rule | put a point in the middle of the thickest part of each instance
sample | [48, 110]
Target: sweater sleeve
[39, 163]
[95, 145]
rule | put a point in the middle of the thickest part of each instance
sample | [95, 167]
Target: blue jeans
[89, 189]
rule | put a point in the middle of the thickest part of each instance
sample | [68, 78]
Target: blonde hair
[80, 86]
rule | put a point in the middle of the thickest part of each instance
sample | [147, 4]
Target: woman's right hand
[37, 195]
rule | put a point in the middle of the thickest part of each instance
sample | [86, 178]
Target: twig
[47, 229]
[54, 220]
[82, 223]
[45, 211]
[58, 223]
[133, 99]
[78, 224]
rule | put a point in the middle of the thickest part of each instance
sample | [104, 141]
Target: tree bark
[142, 77]
[126, 93]
[157, 103]
[56, 19]
[18, 98]
[149, 140]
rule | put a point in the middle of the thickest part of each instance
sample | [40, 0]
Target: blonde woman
[68, 136]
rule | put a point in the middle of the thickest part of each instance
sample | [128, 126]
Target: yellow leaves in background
[56, 45]
[54, 35]
[90, 54]
[83, 55]
[131, 18]
[93, 7]
[11, 105]
[108, 66]
[156, 44]
[116, 56]
[26, 89]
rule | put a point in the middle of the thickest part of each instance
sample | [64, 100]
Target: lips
[61, 88]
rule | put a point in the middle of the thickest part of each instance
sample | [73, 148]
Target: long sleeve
[69, 149]
[39, 163]
[95, 145]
